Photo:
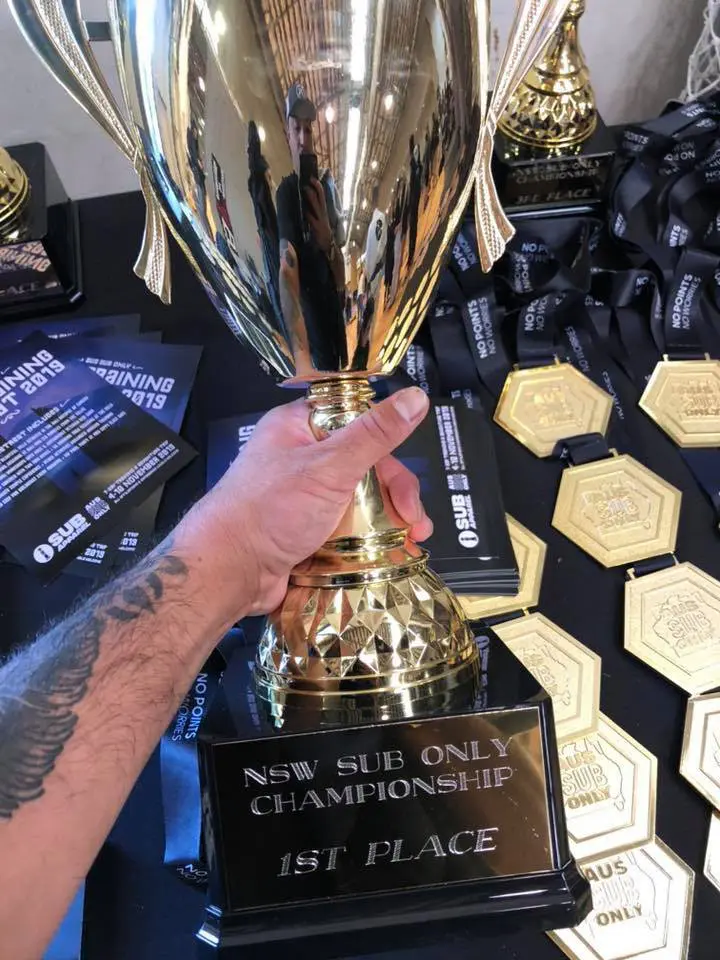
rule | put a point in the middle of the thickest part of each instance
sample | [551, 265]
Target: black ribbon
[455, 364]
[179, 768]
[665, 198]
[705, 467]
[466, 325]
[538, 326]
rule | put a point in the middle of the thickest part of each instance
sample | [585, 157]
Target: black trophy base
[337, 931]
[573, 180]
[41, 271]
[357, 840]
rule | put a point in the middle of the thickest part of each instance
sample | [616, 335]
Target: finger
[350, 452]
[403, 487]
[289, 425]
[317, 187]
[404, 491]
[422, 530]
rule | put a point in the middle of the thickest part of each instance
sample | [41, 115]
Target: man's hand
[317, 215]
[83, 707]
[285, 494]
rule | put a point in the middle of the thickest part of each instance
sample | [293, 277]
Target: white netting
[704, 63]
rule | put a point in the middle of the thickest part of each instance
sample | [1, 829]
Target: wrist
[222, 566]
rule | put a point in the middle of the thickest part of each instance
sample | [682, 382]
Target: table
[137, 910]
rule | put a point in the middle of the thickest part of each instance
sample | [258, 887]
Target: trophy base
[454, 915]
[40, 262]
[533, 181]
[402, 832]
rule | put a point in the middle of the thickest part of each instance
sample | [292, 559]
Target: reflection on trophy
[14, 196]
[554, 106]
[314, 161]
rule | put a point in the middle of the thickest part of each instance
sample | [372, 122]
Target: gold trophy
[274, 231]
[263, 134]
[14, 196]
[553, 146]
[40, 264]
[554, 106]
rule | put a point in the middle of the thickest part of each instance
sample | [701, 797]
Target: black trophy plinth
[41, 271]
[533, 181]
[357, 840]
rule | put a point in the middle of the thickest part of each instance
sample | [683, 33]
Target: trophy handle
[56, 32]
[534, 24]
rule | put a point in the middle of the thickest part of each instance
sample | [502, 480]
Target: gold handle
[534, 24]
[56, 32]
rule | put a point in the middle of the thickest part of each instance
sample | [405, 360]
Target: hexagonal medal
[540, 406]
[617, 510]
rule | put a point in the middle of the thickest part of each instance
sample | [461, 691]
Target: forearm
[81, 711]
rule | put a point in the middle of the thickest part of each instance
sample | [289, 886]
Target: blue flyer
[158, 378]
[76, 455]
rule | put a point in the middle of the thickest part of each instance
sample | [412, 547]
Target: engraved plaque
[609, 785]
[567, 670]
[541, 406]
[642, 907]
[683, 398]
[617, 510]
[672, 623]
[397, 806]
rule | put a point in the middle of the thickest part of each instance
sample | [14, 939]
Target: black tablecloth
[135, 909]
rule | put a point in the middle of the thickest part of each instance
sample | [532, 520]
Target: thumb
[375, 434]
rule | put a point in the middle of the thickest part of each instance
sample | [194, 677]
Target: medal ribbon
[180, 772]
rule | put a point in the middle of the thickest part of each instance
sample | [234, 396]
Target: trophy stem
[366, 630]
[371, 537]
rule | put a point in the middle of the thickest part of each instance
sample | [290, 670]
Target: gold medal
[530, 557]
[672, 623]
[712, 854]
[617, 510]
[567, 670]
[683, 398]
[540, 406]
[608, 783]
[700, 759]
[642, 907]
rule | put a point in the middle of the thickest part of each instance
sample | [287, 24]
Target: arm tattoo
[40, 687]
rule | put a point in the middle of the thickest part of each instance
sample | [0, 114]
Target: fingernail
[411, 403]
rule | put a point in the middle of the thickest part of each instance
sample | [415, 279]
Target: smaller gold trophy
[554, 107]
[553, 148]
[40, 263]
[14, 196]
